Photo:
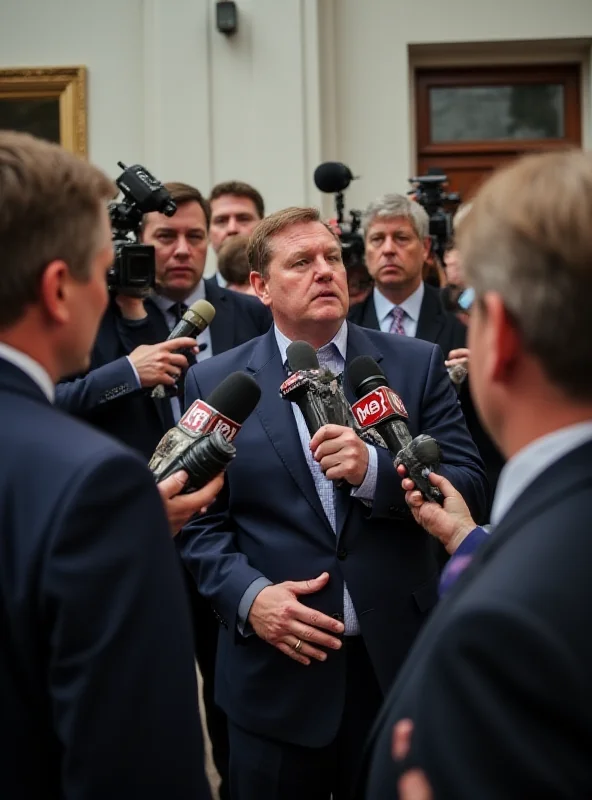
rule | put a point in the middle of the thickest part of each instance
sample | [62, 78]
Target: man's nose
[232, 226]
[388, 246]
[323, 269]
[182, 247]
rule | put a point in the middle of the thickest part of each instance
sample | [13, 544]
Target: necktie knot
[177, 310]
[398, 315]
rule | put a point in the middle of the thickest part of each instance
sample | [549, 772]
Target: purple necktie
[397, 324]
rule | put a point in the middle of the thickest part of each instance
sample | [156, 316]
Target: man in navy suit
[494, 699]
[131, 356]
[397, 244]
[320, 590]
[97, 681]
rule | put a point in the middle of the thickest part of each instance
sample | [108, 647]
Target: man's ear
[55, 290]
[506, 338]
[259, 284]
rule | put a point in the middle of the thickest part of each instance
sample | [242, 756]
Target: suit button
[342, 554]
[338, 617]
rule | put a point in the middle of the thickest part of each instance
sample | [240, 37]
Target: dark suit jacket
[108, 396]
[435, 324]
[269, 522]
[498, 684]
[439, 326]
[96, 666]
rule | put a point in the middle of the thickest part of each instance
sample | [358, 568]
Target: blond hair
[259, 250]
[50, 203]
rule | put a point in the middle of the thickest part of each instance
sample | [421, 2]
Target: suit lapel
[277, 419]
[358, 344]
[431, 316]
[369, 317]
[159, 325]
[223, 325]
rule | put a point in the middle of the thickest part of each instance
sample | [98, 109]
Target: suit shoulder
[391, 343]
[356, 312]
[248, 303]
[224, 363]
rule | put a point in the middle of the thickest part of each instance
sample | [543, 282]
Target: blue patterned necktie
[397, 324]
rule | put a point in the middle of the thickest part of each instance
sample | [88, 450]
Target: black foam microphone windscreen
[235, 397]
[332, 177]
[301, 356]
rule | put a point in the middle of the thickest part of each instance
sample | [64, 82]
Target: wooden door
[472, 120]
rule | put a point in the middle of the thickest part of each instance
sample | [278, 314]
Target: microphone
[379, 407]
[201, 441]
[193, 322]
[332, 177]
[315, 391]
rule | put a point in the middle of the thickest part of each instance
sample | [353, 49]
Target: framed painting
[49, 102]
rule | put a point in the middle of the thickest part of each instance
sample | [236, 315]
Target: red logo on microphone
[378, 406]
[200, 418]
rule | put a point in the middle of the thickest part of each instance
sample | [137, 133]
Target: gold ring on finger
[298, 645]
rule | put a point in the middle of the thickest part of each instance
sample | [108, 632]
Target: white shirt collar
[339, 340]
[164, 303]
[411, 306]
[532, 461]
[30, 367]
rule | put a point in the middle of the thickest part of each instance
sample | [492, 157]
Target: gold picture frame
[47, 101]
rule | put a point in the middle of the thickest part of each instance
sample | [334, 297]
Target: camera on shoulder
[133, 270]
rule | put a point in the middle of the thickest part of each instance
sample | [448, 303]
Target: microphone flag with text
[193, 322]
[379, 407]
[201, 443]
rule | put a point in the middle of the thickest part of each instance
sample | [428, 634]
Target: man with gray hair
[396, 234]
[497, 688]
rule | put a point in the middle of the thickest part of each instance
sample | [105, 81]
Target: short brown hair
[233, 262]
[50, 201]
[183, 193]
[259, 250]
[528, 237]
[239, 189]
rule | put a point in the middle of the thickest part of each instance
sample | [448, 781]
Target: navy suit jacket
[97, 679]
[498, 684]
[436, 324]
[269, 522]
[108, 396]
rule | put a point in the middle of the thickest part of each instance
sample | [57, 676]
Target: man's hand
[413, 784]
[452, 523]
[460, 356]
[341, 454]
[181, 507]
[131, 307]
[157, 363]
[280, 619]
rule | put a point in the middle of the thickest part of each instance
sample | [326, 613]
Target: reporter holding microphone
[97, 678]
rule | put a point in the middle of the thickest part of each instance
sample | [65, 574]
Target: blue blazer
[498, 683]
[96, 655]
[108, 395]
[269, 522]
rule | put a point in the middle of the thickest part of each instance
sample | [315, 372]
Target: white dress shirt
[411, 306]
[30, 367]
[530, 462]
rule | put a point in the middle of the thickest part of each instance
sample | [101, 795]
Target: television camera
[133, 269]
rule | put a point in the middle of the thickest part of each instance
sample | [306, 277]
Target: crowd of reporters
[309, 567]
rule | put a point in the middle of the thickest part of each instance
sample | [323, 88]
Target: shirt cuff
[471, 542]
[367, 489]
[246, 601]
[138, 381]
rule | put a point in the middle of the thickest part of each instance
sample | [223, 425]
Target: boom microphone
[193, 322]
[201, 441]
[332, 177]
[379, 407]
